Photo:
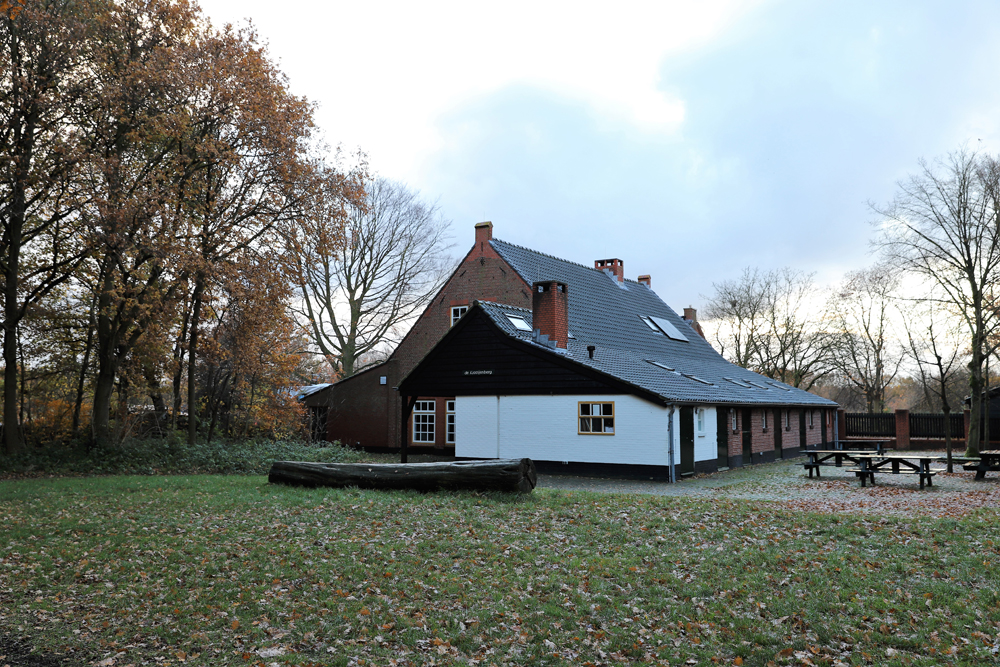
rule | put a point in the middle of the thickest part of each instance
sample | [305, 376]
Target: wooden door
[747, 437]
[722, 436]
[687, 441]
[778, 426]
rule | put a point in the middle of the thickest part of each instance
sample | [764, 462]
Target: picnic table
[989, 460]
[822, 457]
[896, 464]
[863, 445]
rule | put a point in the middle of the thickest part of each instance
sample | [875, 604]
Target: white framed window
[457, 312]
[449, 433]
[810, 419]
[423, 421]
[788, 420]
[763, 419]
[596, 418]
[701, 420]
[732, 417]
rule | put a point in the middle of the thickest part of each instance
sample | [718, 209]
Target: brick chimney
[615, 266]
[550, 311]
[691, 316]
[645, 280]
[484, 232]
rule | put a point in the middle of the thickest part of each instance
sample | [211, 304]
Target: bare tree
[944, 225]
[863, 342]
[934, 343]
[357, 295]
[768, 321]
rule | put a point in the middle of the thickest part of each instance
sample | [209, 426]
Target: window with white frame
[701, 420]
[763, 419]
[423, 421]
[810, 419]
[457, 312]
[732, 417]
[788, 420]
[596, 418]
[450, 422]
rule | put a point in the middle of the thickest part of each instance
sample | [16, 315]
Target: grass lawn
[227, 570]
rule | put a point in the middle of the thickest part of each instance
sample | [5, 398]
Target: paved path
[787, 482]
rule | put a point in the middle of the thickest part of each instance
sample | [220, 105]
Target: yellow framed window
[596, 418]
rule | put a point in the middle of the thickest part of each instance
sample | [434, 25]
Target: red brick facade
[550, 311]
[762, 440]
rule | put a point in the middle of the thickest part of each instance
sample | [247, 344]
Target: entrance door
[778, 426]
[747, 437]
[722, 436]
[802, 430]
[687, 441]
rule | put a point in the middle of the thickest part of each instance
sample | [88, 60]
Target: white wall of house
[546, 428]
[705, 443]
[476, 432]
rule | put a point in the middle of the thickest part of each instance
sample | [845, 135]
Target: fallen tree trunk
[508, 475]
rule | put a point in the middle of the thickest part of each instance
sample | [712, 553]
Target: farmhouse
[600, 371]
[524, 354]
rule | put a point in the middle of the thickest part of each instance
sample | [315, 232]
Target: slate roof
[607, 314]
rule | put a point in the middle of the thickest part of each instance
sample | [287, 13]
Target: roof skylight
[759, 386]
[738, 383]
[519, 323]
[667, 328]
[660, 365]
[696, 379]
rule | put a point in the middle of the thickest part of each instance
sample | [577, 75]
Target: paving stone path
[786, 483]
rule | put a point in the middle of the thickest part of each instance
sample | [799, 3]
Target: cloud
[794, 117]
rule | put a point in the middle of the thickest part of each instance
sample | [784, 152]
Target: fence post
[902, 429]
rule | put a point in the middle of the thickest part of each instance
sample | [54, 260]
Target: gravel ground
[786, 483]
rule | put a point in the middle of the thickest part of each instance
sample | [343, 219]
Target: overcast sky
[689, 139]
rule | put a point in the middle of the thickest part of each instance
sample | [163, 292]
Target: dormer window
[457, 312]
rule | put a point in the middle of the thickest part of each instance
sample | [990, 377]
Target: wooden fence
[870, 425]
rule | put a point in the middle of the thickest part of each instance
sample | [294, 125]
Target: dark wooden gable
[477, 359]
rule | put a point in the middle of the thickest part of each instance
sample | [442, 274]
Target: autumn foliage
[152, 166]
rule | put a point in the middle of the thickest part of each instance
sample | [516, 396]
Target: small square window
[382, 379]
[457, 312]
[596, 418]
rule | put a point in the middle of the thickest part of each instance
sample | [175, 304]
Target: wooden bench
[870, 475]
[814, 466]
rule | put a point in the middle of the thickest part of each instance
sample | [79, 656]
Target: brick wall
[814, 433]
[735, 435]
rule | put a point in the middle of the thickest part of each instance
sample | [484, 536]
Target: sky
[689, 139]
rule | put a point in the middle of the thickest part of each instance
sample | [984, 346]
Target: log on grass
[508, 475]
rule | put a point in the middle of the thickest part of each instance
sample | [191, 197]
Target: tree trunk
[104, 387]
[975, 408]
[199, 289]
[78, 404]
[507, 475]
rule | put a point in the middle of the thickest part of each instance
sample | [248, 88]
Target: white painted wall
[476, 430]
[706, 445]
[545, 428]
